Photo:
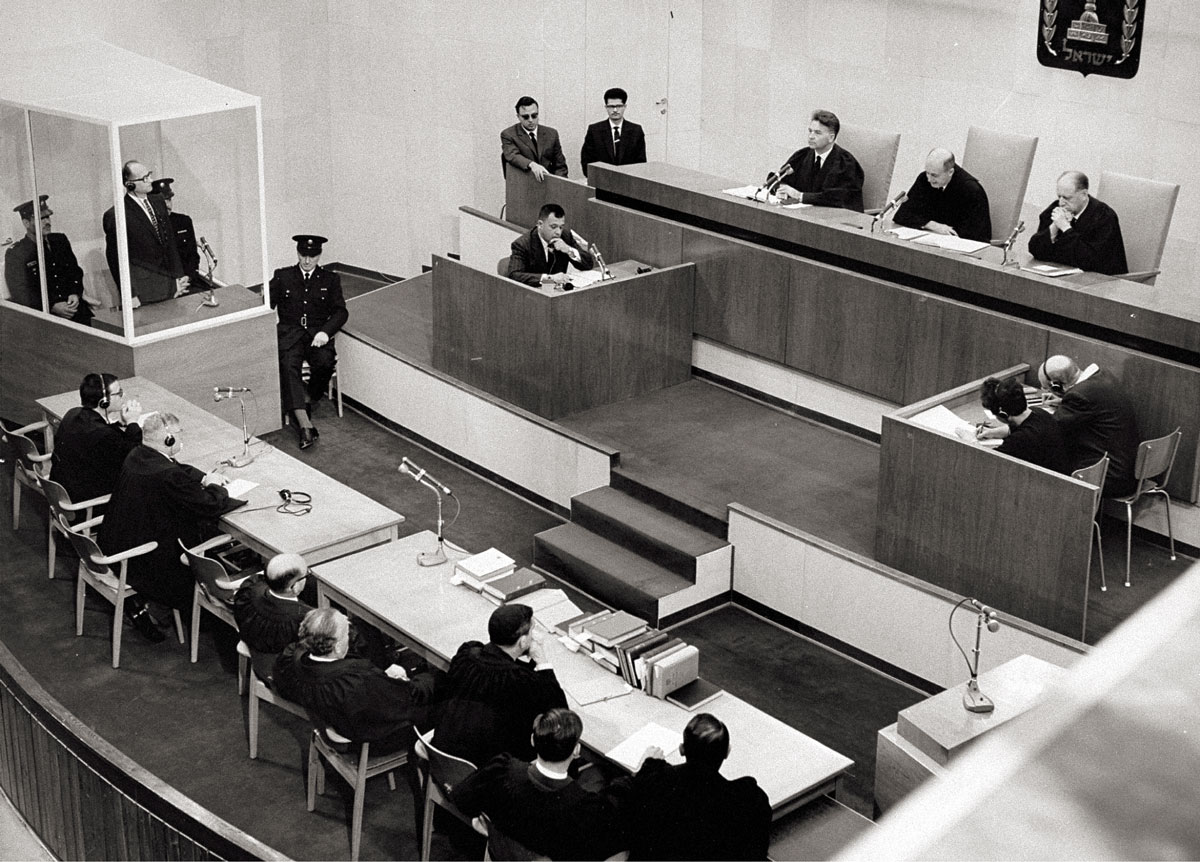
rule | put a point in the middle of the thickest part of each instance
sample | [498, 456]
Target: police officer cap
[26, 209]
[308, 244]
[163, 187]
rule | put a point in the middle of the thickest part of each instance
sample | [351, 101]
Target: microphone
[220, 393]
[891, 205]
[783, 173]
[1016, 231]
[422, 476]
[208, 251]
[993, 625]
[604, 272]
[771, 177]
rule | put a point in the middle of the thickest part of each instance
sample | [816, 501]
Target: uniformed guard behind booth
[308, 299]
[64, 277]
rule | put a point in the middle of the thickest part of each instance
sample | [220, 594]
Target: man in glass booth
[64, 277]
[155, 270]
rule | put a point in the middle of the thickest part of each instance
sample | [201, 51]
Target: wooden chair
[354, 767]
[1095, 475]
[440, 774]
[1152, 470]
[876, 152]
[29, 467]
[261, 667]
[503, 265]
[501, 846]
[62, 510]
[95, 571]
[1145, 208]
[1001, 161]
[213, 591]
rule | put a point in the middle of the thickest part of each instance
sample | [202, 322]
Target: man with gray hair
[269, 608]
[1079, 230]
[945, 199]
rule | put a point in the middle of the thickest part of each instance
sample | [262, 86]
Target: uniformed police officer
[64, 277]
[185, 235]
[311, 310]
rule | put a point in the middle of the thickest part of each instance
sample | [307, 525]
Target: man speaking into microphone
[823, 174]
[542, 255]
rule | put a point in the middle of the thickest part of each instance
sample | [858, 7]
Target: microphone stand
[605, 272]
[975, 700]
[209, 298]
[891, 205]
[1008, 244]
[245, 459]
[437, 557]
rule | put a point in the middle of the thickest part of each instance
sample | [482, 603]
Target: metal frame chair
[61, 511]
[355, 770]
[213, 591]
[1094, 475]
[1152, 470]
[29, 467]
[440, 773]
[95, 571]
[261, 665]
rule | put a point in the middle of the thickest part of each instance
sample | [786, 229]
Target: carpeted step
[695, 512]
[641, 527]
[614, 575]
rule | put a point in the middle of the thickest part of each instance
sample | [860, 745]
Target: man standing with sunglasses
[528, 146]
[155, 270]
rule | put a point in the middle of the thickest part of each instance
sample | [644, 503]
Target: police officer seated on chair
[311, 310]
[64, 276]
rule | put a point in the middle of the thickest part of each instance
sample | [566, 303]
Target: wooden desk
[342, 520]
[1014, 535]
[524, 196]
[386, 587]
[554, 353]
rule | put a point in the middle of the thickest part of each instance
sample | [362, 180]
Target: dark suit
[516, 149]
[1096, 416]
[64, 277]
[306, 308]
[1038, 440]
[185, 244]
[528, 261]
[89, 453]
[1093, 243]
[157, 499]
[598, 145]
[154, 263]
[690, 812]
[962, 204]
[555, 817]
[838, 184]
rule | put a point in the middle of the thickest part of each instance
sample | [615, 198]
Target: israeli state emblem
[1093, 38]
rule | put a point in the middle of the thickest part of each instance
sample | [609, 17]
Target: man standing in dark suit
[613, 141]
[1079, 230]
[1095, 416]
[184, 233]
[155, 271]
[823, 174]
[158, 499]
[692, 811]
[89, 450]
[64, 277]
[541, 255]
[528, 146]
[947, 200]
[311, 311]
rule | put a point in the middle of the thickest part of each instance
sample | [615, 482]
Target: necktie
[616, 136]
[533, 140]
[154, 221]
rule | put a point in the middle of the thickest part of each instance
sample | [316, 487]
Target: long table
[419, 606]
[341, 521]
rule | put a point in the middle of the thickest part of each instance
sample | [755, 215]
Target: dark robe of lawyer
[837, 183]
[89, 452]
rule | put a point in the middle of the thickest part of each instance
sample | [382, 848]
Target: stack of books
[506, 587]
[479, 569]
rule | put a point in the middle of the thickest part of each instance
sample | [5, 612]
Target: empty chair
[213, 592]
[503, 265]
[1145, 208]
[440, 773]
[876, 153]
[354, 766]
[1152, 470]
[95, 571]
[1095, 475]
[259, 685]
[1001, 161]
[62, 507]
[30, 464]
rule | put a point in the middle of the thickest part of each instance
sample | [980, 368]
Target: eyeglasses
[532, 116]
[614, 107]
[142, 179]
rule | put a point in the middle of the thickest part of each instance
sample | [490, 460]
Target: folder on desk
[630, 752]
[951, 243]
[1051, 270]
[513, 585]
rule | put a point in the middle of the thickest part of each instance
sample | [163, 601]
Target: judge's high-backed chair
[213, 592]
[30, 465]
[62, 510]
[1145, 208]
[876, 152]
[440, 774]
[1001, 161]
[1152, 470]
[1095, 475]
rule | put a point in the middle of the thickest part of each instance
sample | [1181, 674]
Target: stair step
[695, 512]
[639, 526]
[614, 575]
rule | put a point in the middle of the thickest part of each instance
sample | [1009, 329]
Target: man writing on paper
[527, 146]
[542, 255]
[945, 199]
[823, 174]
[1079, 230]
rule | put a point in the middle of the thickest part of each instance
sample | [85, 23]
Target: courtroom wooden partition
[979, 523]
[524, 196]
[85, 799]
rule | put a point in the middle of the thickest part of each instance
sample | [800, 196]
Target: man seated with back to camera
[691, 811]
[541, 256]
[89, 446]
[539, 805]
[495, 690]
[1030, 433]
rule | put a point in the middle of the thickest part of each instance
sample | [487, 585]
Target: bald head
[939, 167]
[1058, 369]
[284, 571]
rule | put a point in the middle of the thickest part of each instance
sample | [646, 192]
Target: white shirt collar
[548, 772]
[1087, 372]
